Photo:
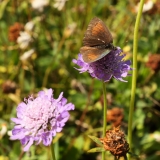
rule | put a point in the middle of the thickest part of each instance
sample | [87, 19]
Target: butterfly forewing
[97, 34]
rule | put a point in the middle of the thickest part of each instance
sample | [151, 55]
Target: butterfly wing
[97, 34]
[91, 54]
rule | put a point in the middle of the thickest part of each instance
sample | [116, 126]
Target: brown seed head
[9, 87]
[115, 116]
[154, 62]
[115, 142]
[14, 31]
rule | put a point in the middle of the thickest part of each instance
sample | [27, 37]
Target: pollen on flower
[39, 119]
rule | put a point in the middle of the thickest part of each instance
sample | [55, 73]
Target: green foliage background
[57, 38]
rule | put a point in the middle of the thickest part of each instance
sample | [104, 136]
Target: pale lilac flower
[27, 55]
[39, 119]
[3, 130]
[59, 4]
[24, 39]
[110, 65]
[39, 4]
[148, 5]
[26, 36]
[29, 26]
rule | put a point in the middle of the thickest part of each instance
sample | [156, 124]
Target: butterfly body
[97, 41]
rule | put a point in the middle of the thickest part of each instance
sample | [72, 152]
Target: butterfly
[97, 41]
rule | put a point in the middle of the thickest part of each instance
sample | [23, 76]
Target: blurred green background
[39, 39]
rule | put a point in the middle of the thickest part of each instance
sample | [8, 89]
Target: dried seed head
[115, 116]
[115, 142]
[9, 87]
[14, 31]
[154, 62]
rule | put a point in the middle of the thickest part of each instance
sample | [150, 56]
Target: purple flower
[110, 65]
[40, 119]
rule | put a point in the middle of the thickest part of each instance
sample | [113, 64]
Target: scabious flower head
[110, 65]
[38, 120]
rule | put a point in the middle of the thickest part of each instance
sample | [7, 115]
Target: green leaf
[132, 154]
[95, 139]
[97, 149]
[3, 5]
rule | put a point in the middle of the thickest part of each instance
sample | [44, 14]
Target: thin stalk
[104, 115]
[52, 151]
[115, 158]
[125, 157]
[134, 77]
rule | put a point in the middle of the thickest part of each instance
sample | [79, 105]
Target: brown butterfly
[97, 41]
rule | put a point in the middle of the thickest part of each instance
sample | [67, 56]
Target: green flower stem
[125, 157]
[104, 115]
[52, 151]
[115, 158]
[134, 77]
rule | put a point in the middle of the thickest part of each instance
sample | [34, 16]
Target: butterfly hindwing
[91, 54]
